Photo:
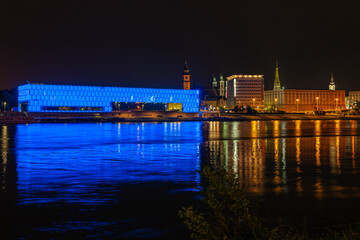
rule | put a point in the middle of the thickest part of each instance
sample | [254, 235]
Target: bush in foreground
[226, 211]
[226, 214]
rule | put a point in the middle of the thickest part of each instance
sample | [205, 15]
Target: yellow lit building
[354, 96]
[302, 100]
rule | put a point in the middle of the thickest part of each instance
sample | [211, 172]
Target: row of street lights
[297, 103]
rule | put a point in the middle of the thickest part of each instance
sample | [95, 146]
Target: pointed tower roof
[186, 68]
[277, 85]
[332, 83]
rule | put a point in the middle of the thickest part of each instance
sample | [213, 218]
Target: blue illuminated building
[71, 98]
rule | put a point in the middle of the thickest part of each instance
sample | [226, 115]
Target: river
[128, 180]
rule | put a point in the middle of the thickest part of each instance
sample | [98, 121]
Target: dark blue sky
[144, 42]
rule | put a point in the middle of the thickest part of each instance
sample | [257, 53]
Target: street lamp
[276, 104]
[253, 102]
[317, 102]
[297, 104]
[4, 106]
[336, 101]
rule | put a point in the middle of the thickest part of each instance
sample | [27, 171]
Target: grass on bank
[225, 213]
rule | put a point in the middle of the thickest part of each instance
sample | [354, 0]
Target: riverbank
[264, 117]
[160, 117]
[242, 117]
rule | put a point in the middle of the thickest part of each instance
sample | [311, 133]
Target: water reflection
[140, 174]
[74, 156]
[4, 156]
[287, 156]
[91, 177]
[353, 156]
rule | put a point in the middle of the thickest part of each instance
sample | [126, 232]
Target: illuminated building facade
[70, 98]
[354, 97]
[300, 100]
[294, 100]
[245, 90]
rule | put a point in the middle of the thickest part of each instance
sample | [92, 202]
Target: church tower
[186, 77]
[214, 82]
[222, 86]
[332, 83]
[277, 79]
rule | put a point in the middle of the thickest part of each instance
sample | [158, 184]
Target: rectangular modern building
[245, 90]
[71, 98]
[294, 100]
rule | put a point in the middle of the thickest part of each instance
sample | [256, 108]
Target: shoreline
[222, 118]
[271, 117]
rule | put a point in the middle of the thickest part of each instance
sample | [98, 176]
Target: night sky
[143, 43]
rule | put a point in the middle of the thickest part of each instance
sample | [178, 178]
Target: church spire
[332, 83]
[277, 79]
[186, 68]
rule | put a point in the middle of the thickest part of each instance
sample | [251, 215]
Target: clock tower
[186, 77]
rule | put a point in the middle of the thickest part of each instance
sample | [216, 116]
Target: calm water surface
[111, 181]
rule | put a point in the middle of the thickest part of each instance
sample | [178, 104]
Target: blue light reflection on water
[68, 162]
[129, 180]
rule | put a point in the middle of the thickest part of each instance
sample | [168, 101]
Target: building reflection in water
[318, 186]
[4, 157]
[276, 181]
[286, 156]
[299, 187]
[243, 157]
[8, 166]
[77, 159]
[353, 153]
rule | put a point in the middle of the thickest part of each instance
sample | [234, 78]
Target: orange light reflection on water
[4, 155]
[300, 156]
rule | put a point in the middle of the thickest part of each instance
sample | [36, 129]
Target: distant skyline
[144, 43]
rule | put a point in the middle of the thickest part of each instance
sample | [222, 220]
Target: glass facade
[70, 98]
